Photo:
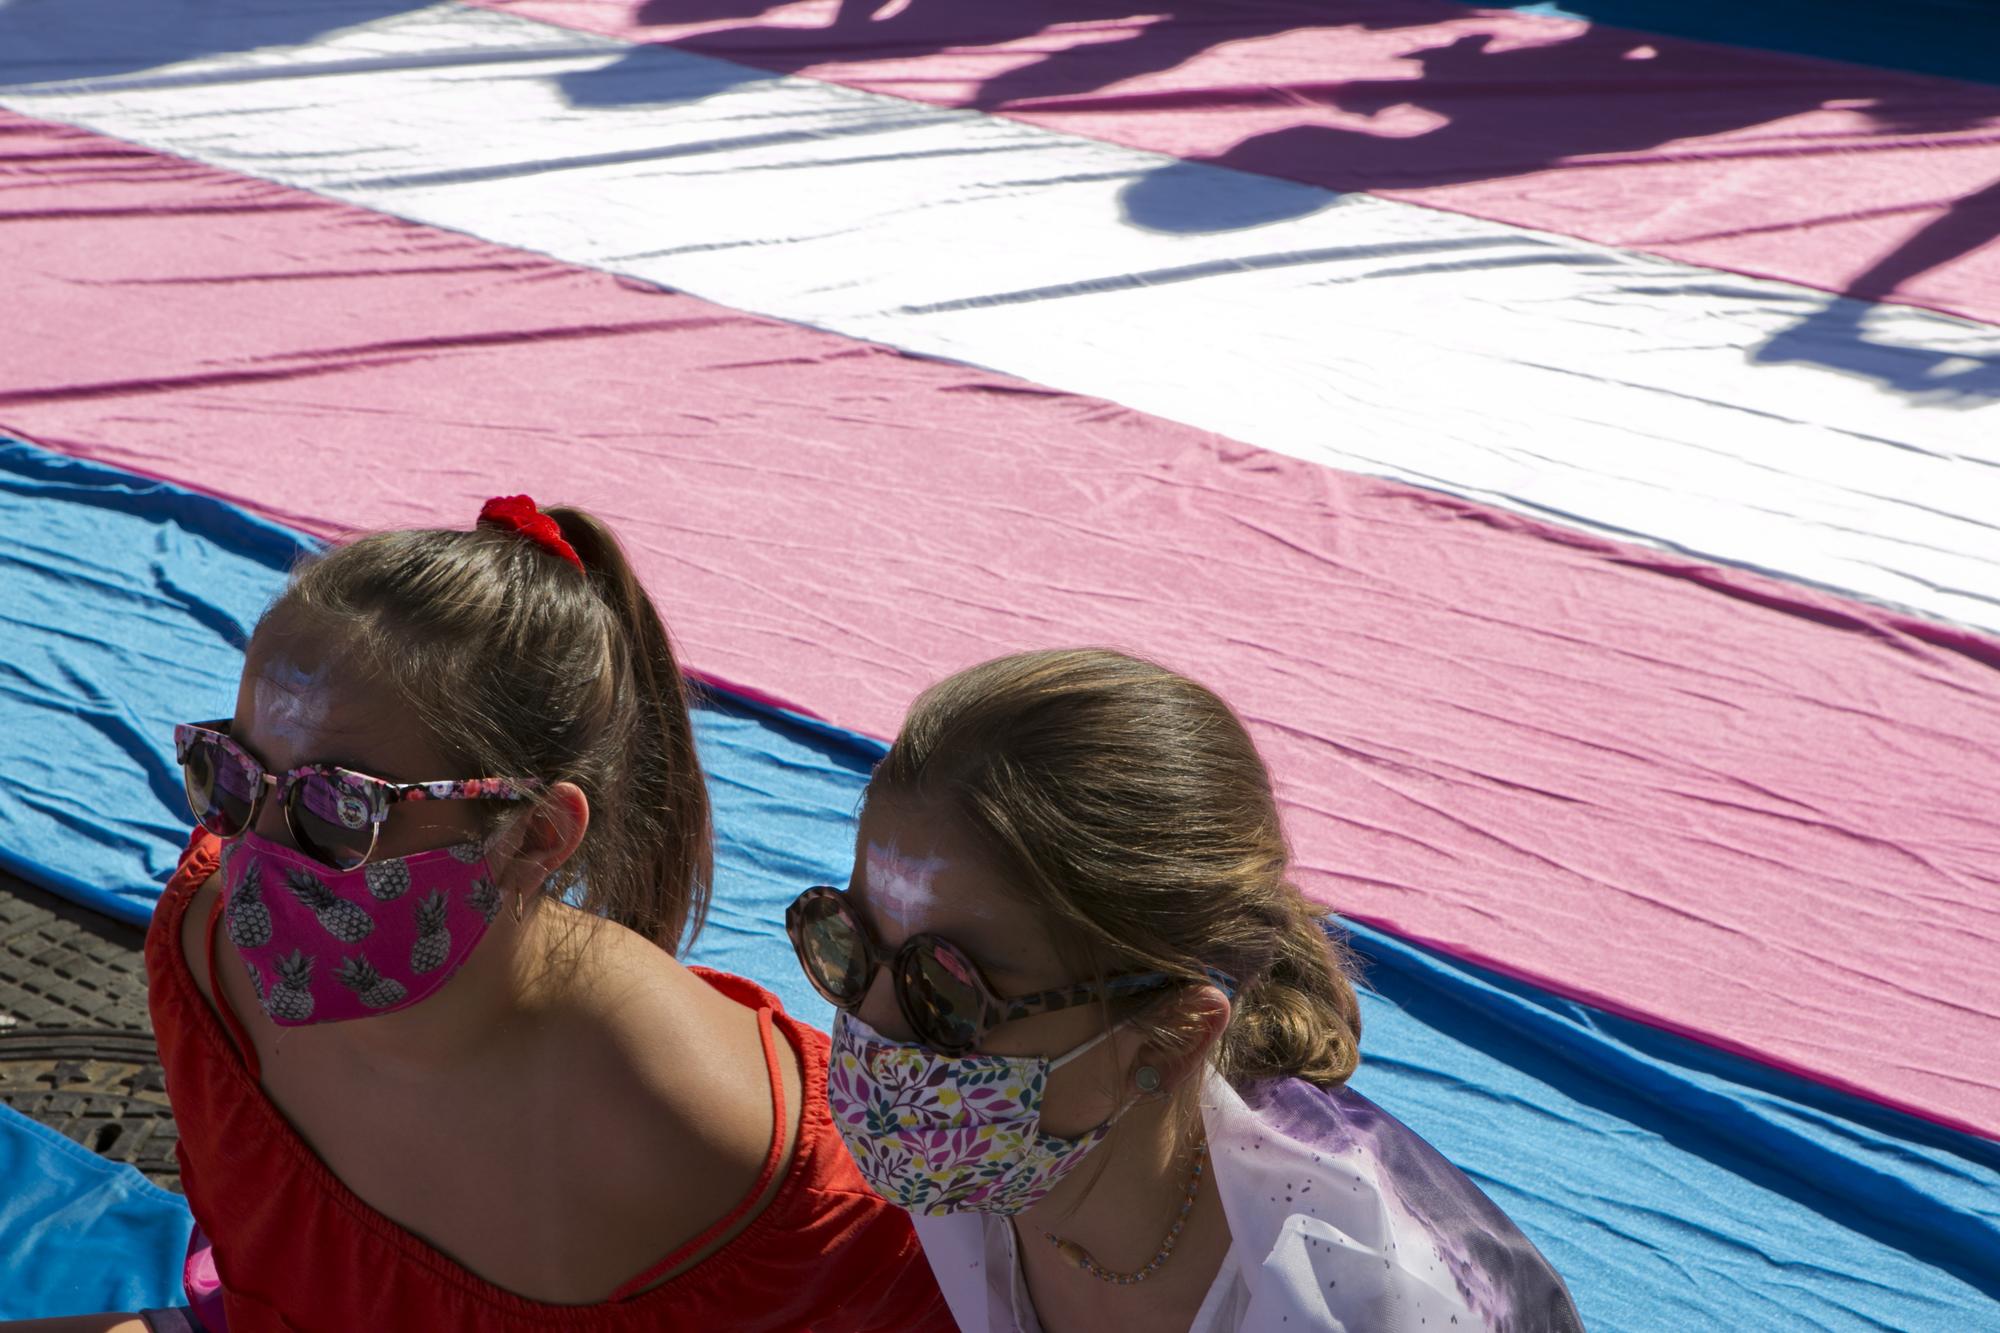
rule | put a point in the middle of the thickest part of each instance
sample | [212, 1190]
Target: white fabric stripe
[1747, 421]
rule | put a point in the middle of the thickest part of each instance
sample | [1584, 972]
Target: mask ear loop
[1125, 1104]
[1075, 1051]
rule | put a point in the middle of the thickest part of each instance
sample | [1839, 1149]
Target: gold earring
[519, 906]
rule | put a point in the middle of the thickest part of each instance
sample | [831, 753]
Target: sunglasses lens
[942, 996]
[330, 821]
[831, 949]
[220, 789]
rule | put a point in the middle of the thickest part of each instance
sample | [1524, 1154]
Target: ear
[1202, 1013]
[539, 844]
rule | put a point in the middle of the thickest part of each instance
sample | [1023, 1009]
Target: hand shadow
[1836, 337]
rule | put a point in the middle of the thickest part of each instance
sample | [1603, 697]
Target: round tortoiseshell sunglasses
[947, 1004]
[335, 814]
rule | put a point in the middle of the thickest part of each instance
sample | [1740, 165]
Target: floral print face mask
[941, 1134]
[325, 945]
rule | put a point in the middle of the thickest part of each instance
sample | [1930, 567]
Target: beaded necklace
[1081, 1258]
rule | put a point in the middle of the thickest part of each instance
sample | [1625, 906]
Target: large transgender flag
[1574, 447]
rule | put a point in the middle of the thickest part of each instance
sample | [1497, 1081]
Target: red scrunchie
[517, 513]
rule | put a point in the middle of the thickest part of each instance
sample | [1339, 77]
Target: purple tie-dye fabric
[1499, 1273]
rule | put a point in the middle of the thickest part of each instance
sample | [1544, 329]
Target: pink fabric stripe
[1734, 808]
[1869, 182]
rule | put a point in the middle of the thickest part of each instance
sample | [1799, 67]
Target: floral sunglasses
[941, 994]
[334, 814]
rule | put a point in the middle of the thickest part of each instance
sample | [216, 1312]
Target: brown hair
[520, 666]
[1130, 807]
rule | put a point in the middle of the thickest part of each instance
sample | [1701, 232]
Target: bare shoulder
[681, 1099]
[236, 996]
[194, 934]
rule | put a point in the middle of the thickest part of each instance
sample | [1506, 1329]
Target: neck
[1119, 1205]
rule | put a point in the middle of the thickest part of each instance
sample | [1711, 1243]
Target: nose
[270, 823]
[879, 1010]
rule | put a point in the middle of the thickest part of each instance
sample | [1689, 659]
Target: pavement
[76, 1046]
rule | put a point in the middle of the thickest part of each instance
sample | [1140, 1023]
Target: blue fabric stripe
[79, 1234]
[1958, 39]
[123, 602]
[1675, 1186]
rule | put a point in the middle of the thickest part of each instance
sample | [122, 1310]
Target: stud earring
[1147, 1077]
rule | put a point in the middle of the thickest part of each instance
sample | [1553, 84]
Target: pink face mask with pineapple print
[326, 945]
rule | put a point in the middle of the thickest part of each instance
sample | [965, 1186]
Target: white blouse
[1341, 1219]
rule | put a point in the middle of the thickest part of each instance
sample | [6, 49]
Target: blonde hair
[1130, 807]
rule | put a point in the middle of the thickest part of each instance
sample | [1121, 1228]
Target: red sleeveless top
[296, 1250]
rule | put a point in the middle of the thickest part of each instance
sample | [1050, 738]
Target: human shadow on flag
[1481, 112]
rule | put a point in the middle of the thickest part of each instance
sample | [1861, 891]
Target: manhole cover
[76, 1049]
[101, 1088]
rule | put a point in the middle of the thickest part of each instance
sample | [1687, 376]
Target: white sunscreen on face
[899, 886]
[291, 704]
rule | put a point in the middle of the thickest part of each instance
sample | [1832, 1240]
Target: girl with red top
[433, 1061]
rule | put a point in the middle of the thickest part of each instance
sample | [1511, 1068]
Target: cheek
[418, 826]
[1081, 1097]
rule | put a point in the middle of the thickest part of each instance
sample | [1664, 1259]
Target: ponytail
[661, 809]
[517, 664]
